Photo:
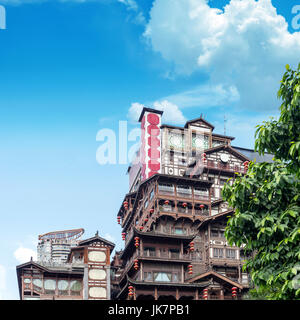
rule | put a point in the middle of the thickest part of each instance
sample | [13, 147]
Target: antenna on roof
[225, 120]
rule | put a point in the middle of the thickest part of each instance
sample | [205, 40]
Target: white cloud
[172, 113]
[246, 46]
[135, 111]
[23, 255]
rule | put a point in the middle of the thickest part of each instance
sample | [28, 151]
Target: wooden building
[84, 276]
[173, 217]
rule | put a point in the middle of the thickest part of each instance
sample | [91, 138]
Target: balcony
[181, 210]
[224, 166]
[168, 255]
[166, 190]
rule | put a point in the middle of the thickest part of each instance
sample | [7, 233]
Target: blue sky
[69, 69]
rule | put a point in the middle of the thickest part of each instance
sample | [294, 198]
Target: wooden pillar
[155, 294]
[196, 294]
[141, 247]
[222, 294]
[177, 294]
[240, 276]
[141, 271]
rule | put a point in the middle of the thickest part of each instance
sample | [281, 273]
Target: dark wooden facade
[173, 225]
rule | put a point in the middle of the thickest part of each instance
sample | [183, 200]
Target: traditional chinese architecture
[173, 217]
[75, 270]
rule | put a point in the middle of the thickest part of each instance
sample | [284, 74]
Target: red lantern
[234, 292]
[151, 210]
[119, 220]
[203, 157]
[184, 204]
[192, 246]
[205, 294]
[125, 203]
[141, 228]
[137, 242]
[146, 219]
[123, 235]
[167, 202]
[136, 264]
[130, 291]
[202, 206]
[245, 164]
[190, 268]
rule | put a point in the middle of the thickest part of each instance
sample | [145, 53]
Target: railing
[183, 194]
[201, 197]
[184, 210]
[167, 208]
[201, 212]
[166, 191]
[165, 255]
[190, 211]
[224, 166]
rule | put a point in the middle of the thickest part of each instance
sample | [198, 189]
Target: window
[174, 253]
[148, 276]
[149, 252]
[184, 189]
[37, 285]
[179, 231]
[162, 276]
[151, 194]
[146, 204]
[218, 253]
[171, 156]
[166, 187]
[214, 233]
[175, 277]
[63, 286]
[201, 191]
[230, 253]
[75, 287]
[50, 286]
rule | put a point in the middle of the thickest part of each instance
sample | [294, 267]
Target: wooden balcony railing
[224, 166]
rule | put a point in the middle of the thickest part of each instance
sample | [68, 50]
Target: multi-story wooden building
[85, 275]
[173, 217]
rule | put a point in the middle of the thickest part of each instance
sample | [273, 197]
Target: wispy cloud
[132, 5]
[205, 96]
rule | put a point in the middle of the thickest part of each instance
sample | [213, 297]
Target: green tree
[267, 201]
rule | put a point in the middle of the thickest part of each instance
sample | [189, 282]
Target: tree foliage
[267, 201]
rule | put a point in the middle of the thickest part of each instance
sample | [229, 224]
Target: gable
[215, 277]
[199, 123]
